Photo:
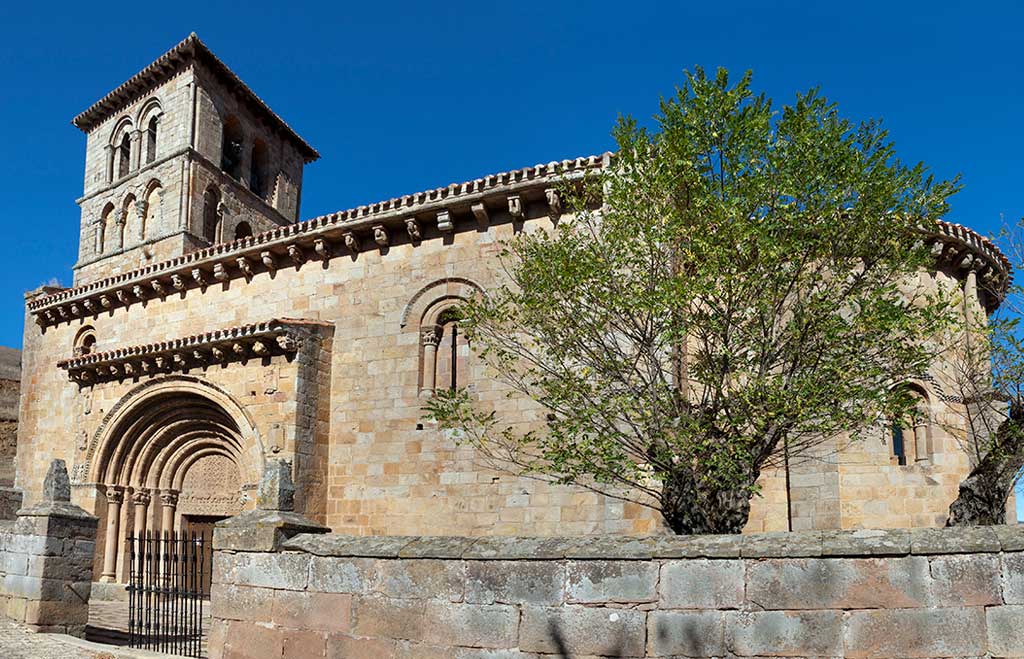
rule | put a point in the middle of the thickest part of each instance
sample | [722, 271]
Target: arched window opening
[153, 208]
[103, 228]
[444, 353]
[85, 341]
[211, 215]
[258, 169]
[911, 434]
[242, 230]
[124, 156]
[231, 149]
[151, 140]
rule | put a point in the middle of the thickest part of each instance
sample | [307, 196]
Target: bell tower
[181, 156]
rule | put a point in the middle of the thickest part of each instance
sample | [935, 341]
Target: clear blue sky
[404, 96]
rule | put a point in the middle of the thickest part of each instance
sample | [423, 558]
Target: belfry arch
[175, 453]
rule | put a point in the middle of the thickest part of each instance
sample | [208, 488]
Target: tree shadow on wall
[686, 639]
[562, 646]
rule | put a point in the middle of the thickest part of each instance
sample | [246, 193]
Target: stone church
[209, 329]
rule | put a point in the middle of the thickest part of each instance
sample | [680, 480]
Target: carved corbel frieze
[269, 262]
[483, 217]
[220, 273]
[105, 301]
[122, 296]
[515, 207]
[199, 276]
[352, 242]
[412, 226]
[138, 292]
[89, 306]
[322, 249]
[74, 310]
[245, 265]
[178, 282]
[158, 287]
[380, 235]
[444, 221]
[554, 200]
[296, 255]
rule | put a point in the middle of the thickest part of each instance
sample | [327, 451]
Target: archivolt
[449, 288]
[156, 431]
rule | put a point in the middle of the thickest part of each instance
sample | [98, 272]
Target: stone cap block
[799, 544]
[262, 530]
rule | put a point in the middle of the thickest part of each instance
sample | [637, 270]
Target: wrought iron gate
[165, 591]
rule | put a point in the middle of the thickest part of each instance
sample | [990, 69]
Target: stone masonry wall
[867, 593]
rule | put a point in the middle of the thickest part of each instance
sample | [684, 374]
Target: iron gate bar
[166, 586]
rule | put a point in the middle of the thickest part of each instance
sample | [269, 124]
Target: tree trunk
[983, 494]
[689, 509]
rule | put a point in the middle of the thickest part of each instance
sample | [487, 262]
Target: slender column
[115, 495]
[141, 502]
[122, 219]
[431, 337]
[169, 501]
[921, 441]
[135, 157]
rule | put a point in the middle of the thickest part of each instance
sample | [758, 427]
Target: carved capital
[141, 498]
[115, 494]
[430, 335]
[169, 498]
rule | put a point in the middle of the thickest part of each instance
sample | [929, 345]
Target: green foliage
[740, 279]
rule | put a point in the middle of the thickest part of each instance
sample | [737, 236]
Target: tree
[738, 283]
[989, 375]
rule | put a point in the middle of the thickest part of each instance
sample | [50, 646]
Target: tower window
[151, 140]
[124, 156]
[242, 230]
[258, 169]
[899, 449]
[231, 149]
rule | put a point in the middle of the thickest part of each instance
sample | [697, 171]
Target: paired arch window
[85, 341]
[444, 351]
[911, 435]
[124, 156]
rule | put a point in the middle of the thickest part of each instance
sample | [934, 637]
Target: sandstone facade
[183, 360]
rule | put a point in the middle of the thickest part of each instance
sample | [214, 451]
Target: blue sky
[404, 96]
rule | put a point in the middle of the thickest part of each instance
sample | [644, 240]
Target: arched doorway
[179, 455]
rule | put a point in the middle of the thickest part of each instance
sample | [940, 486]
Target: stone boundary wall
[866, 593]
[46, 561]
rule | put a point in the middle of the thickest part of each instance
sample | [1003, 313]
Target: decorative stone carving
[515, 208]
[115, 495]
[177, 282]
[322, 248]
[141, 498]
[138, 292]
[245, 266]
[296, 255]
[483, 218]
[276, 489]
[220, 273]
[352, 242]
[380, 235]
[199, 276]
[268, 261]
[554, 200]
[444, 221]
[430, 335]
[158, 287]
[105, 301]
[412, 226]
[169, 498]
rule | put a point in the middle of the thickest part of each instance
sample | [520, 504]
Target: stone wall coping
[798, 544]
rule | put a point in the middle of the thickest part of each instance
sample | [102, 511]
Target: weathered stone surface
[56, 484]
[964, 580]
[1011, 536]
[954, 540]
[421, 579]
[515, 582]
[783, 543]
[286, 571]
[686, 634]
[262, 530]
[696, 546]
[865, 542]
[322, 612]
[1013, 578]
[913, 633]
[276, 490]
[515, 548]
[229, 602]
[598, 581]
[1005, 625]
[609, 547]
[450, 547]
[579, 630]
[785, 633]
[386, 546]
[701, 583]
[471, 625]
[824, 583]
[342, 575]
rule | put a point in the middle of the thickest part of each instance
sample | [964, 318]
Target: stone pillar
[431, 337]
[169, 502]
[49, 560]
[136, 155]
[122, 219]
[115, 495]
[141, 207]
[108, 150]
[141, 502]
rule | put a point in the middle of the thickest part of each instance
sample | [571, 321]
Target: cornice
[420, 216]
[255, 341]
